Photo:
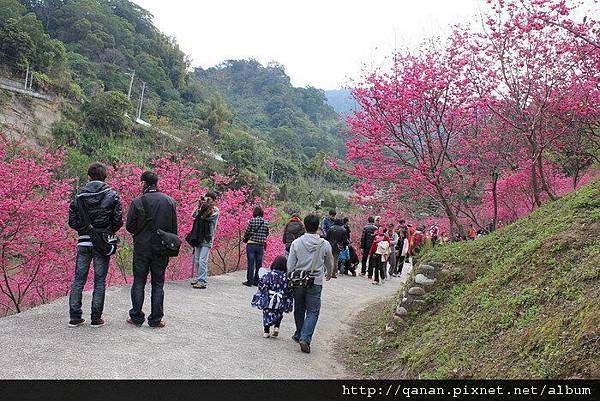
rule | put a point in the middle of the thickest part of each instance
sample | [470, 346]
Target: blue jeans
[85, 255]
[255, 253]
[143, 264]
[307, 305]
[200, 263]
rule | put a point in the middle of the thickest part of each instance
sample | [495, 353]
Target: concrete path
[212, 333]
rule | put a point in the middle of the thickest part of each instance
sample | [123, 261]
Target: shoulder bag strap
[147, 214]
[316, 257]
[84, 214]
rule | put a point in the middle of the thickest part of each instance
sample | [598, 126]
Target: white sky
[321, 43]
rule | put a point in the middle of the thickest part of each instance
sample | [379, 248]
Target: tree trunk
[454, 222]
[495, 198]
[535, 185]
[545, 185]
[576, 178]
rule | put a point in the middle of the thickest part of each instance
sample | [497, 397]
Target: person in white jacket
[393, 236]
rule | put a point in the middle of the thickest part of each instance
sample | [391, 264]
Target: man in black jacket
[338, 238]
[366, 240]
[148, 213]
[103, 207]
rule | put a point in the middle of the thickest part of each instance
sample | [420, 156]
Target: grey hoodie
[302, 253]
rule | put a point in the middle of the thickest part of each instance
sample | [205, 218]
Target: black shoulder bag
[304, 278]
[169, 242]
[104, 241]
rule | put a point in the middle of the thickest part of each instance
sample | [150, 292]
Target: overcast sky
[321, 43]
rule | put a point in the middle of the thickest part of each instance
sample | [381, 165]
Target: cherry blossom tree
[529, 75]
[404, 140]
[451, 130]
[36, 250]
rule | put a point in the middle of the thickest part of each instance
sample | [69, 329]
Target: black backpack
[103, 240]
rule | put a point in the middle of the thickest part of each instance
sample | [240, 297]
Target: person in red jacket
[419, 238]
[411, 239]
[472, 234]
[377, 261]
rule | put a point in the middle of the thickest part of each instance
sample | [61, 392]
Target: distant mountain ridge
[342, 101]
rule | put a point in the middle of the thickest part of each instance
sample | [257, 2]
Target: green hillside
[274, 134]
[295, 121]
[520, 303]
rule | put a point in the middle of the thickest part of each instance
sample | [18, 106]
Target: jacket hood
[94, 192]
[310, 242]
[94, 187]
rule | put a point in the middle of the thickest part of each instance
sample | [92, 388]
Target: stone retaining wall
[412, 296]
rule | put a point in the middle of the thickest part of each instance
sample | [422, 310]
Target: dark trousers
[276, 323]
[363, 263]
[376, 267]
[399, 264]
[144, 263]
[254, 253]
[336, 265]
[307, 305]
[85, 255]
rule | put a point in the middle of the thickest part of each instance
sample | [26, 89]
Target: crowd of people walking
[315, 251]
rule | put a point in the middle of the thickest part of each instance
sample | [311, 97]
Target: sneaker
[76, 322]
[199, 285]
[130, 321]
[97, 323]
[266, 335]
[247, 284]
[158, 325]
[275, 332]
[375, 283]
[194, 281]
[305, 347]
[353, 273]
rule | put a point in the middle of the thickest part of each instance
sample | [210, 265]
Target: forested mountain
[296, 121]
[89, 50]
[342, 101]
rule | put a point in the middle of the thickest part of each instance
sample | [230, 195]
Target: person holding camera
[208, 213]
[151, 218]
[96, 210]
[311, 255]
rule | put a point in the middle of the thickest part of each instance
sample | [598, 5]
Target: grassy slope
[524, 304]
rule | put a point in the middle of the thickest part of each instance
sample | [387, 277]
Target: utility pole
[27, 76]
[139, 114]
[130, 84]
[272, 169]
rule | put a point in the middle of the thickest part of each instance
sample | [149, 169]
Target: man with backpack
[293, 229]
[366, 240]
[152, 219]
[95, 213]
[327, 223]
[311, 258]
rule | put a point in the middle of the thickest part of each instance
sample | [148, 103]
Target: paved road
[211, 333]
